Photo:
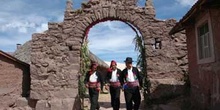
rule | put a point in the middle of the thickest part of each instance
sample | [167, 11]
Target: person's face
[114, 66]
[128, 64]
[94, 68]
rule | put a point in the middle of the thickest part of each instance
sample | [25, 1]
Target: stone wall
[166, 65]
[55, 56]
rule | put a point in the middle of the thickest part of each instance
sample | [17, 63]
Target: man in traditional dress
[113, 83]
[132, 82]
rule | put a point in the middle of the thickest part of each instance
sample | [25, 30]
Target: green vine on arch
[84, 67]
[142, 64]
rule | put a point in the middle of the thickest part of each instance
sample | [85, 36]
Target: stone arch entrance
[55, 56]
[97, 11]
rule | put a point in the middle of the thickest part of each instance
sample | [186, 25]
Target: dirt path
[105, 102]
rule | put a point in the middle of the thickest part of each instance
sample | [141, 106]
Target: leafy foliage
[142, 64]
[85, 62]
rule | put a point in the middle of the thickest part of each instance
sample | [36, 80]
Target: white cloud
[20, 26]
[172, 9]
[42, 27]
[21, 18]
[111, 42]
[22, 30]
[186, 3]
[36, 19]
[113, 26]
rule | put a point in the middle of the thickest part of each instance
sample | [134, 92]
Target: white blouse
[114, 77]
[130, 76]
[93, 77]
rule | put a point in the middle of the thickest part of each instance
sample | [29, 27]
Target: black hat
[129, 59]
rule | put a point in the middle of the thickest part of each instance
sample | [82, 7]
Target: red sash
[133, 84]
[115, 84]
[94, 84]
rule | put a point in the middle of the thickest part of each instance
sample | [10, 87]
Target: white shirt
[130, 76]
[93, 77]
[114, 77]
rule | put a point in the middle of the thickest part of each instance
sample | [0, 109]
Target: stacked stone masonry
[55, 54]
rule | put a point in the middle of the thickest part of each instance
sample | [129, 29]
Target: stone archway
[55, 56]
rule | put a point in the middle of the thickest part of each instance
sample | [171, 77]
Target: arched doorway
[112, 40]
[55, 56]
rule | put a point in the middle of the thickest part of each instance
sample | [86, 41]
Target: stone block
[65, 93]
[20, 108]
[67, 25]
[52, 25]
[166, 88]
[56, 104]
[88, 20]
[73, 74]
[68, 104]
[112, 12]
[105, 12]
[62, 104]
[39, 94]
[67, 30]
[21, 102]
[42, 105]
[97, 14]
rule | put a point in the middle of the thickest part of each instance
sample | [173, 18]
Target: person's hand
[87, 85]
[125, 86]
[98, 89]
[106, 87]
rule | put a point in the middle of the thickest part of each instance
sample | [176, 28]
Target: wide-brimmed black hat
[128, 59]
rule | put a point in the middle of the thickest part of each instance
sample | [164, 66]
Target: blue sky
[21, 18]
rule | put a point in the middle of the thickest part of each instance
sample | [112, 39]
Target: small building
[14, 75]
[202, 26]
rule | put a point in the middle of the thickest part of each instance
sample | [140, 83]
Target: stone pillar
[149, 7]
[69, 5]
